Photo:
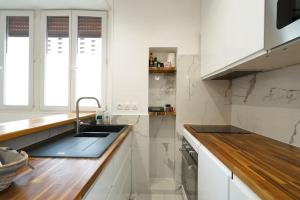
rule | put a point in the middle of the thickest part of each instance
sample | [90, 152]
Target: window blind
[17, 26]
[58, 26]
[89, 27]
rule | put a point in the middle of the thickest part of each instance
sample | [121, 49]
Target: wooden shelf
[162, 113]
[162, 69]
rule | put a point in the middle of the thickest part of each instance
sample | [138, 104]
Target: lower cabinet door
[114, 183]
[120, 189]
[102, 186]
[213, 177]
[240, 191]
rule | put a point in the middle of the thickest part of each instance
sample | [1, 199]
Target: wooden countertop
[269, 167]
[60, 178]
[10, 130]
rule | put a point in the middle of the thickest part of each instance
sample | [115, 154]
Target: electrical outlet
[134, 106]
[119, 106]
[126, 106]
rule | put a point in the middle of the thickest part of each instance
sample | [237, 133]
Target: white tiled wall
[162, 141]
[269, 104]
[140, 150]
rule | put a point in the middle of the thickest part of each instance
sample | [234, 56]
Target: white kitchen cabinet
[102, 186]
[114, 183]
[239, 191]
[121, 187]
[244, 31]
[212, 35]
[230, 31]
[213, 177]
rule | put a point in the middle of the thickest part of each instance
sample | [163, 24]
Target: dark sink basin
[92, 142]
[93, 134]
[112, 128]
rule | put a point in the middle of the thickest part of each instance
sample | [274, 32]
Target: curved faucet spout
[77, 111]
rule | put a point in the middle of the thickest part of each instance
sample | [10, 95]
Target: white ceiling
[54, 4]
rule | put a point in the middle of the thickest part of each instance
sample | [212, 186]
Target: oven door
[282, 22]
[189, 175]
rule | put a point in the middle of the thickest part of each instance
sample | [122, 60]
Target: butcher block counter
[269, 167]
[60, 178]
[14, 129]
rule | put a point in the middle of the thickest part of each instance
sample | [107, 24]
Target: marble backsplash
[140, 150]
[162, 89]
[162, 141]
[268, 103]
[198, 101]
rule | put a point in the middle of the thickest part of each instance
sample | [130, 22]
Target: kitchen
[163, 72]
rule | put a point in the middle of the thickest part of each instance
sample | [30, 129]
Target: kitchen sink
[91, 142]
[101, 131]
[93, 128]
[93, 134]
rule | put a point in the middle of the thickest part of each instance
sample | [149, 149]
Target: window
[70, 73]
[56, 71]
[16, 59]
[68, 61]
[88, 57]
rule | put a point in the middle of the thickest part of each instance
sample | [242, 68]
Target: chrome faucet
[78, 122]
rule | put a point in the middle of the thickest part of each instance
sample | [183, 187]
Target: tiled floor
[161, 189]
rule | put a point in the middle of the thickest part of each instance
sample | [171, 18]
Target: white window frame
[75, 15]
[3, 15]
[43, 21]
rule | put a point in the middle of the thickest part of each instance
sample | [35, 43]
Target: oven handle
[190, 166]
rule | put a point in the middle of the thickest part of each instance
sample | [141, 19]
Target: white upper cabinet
[244, 31]
[248, 35]
[230, 30]
[212, 35]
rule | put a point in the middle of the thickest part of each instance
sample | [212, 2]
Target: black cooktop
[218, 129]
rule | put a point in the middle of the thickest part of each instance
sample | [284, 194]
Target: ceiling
[54, 4]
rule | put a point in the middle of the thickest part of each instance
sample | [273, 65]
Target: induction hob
[218, 129]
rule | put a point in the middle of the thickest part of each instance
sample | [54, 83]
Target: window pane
[16, 75]
[89, 59]
[56, 72]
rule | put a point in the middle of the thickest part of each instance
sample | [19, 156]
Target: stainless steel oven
[189, 170]
[282, 22]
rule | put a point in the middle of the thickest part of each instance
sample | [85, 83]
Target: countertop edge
[69, 118]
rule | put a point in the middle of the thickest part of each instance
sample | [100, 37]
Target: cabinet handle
[190, 166]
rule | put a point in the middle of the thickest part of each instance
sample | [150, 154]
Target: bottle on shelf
[155, 62]
[151, 60]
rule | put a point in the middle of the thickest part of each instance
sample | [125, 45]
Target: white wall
[138, 25]
[272, 107]
[134, 26]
